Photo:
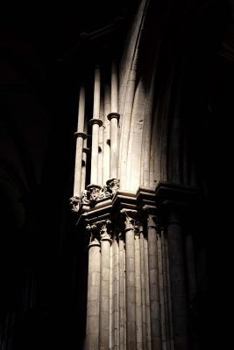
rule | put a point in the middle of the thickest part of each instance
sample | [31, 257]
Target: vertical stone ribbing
[154, 282]
[143, 289]
[177, 279]
[97, 93]
[113, 117]
[114, 88]
[100, 156]
[105, 284]
[78, 164]
[170, 323]
[93, 298]
[162, 292]
[79, 144]
[96, 123]
[166, 291]
[106, 149]
[84, 165]
[116, 293]
[111, 332]
[147, 296]
[122, 295]
[130, 282]
[139, 324]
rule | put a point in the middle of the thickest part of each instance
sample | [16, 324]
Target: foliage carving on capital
[93, 234]
[151, 220]
[105, 231]
[129, 222]
[94, 193]
[75, 203]
[84, 198]
[113, 185]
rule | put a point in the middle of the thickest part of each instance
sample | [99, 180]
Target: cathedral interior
[186, 53]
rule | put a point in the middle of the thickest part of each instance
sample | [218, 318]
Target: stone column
[106, 146]
[177, 276]
[115, 291]
[143, 287]
[122, 294]
[105, 286]
[154, 282]
[130, 281]
[114, 88]
[81, 136]
[97, 93]
[96, 123]
[84, 165]
[167, 294]
[100, 156]
[114, 117]
[147, 296]
[162, 291]
[79, 144]
[93, 298]
[139, 287]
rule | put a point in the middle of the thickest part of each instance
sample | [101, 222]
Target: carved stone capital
[85, 197]
[151, 221]
[94, 237]
[94, 192]
[105, 231]
[113, 185]
[75, 203]
[129, 223]
[129, 217]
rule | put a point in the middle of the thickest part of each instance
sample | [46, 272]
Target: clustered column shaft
[136, 283]
[154, 282]
[96, 123]
[130, 282]
[93, 298]
[105, 289]
[81, 136]
[104, 137]
[114, 117]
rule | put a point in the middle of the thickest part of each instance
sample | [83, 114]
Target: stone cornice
[173, 193]
[176, 201]
[145, 202]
